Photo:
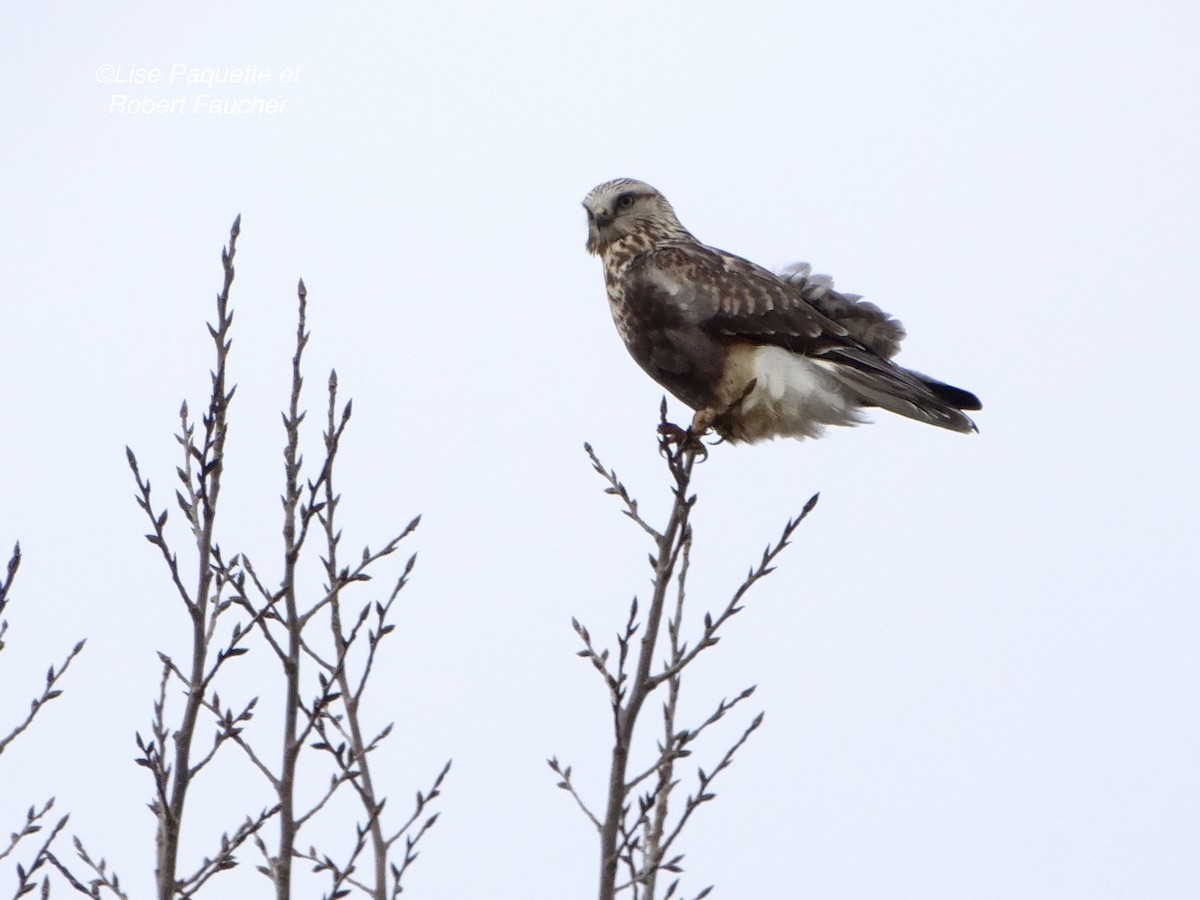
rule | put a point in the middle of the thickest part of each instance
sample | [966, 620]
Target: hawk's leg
[721, 420]
[704, 419]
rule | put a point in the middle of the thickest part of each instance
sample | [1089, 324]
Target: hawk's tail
[902, 391]
[956, 397]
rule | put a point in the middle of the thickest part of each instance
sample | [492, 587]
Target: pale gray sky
[980, 661]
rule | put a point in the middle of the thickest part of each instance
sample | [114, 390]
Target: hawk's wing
[866, 322]
[732, 298]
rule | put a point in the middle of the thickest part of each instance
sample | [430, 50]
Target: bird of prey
[756, 354]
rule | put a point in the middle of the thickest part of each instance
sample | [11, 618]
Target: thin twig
[49, 692]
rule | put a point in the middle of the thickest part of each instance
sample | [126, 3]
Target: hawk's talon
[669, 433]
[687, 440]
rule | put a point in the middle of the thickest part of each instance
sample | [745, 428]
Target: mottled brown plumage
[706, 324]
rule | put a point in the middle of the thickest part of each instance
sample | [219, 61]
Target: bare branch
[49, 692]
[158, 536]
[28, 874]
[14, 563]
[283, 618]
[617, 489]
[203, 447]
[33, 818]
[703, 794]
[224, 858]
[637, 831]
[103, 880]
[764, 568]
[565, 775]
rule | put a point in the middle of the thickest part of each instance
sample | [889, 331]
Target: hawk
[756, 354]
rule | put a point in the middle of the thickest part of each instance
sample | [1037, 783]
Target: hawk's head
[623, 207]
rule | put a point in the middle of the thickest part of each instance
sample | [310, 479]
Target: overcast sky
[979, 661]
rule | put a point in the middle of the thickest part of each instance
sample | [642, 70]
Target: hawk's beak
[599, 217]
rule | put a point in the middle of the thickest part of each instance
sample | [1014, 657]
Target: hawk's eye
[625, 201]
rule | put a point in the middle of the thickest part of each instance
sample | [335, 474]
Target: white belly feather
[794, 396]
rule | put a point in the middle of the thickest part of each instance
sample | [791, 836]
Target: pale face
[622, 207]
